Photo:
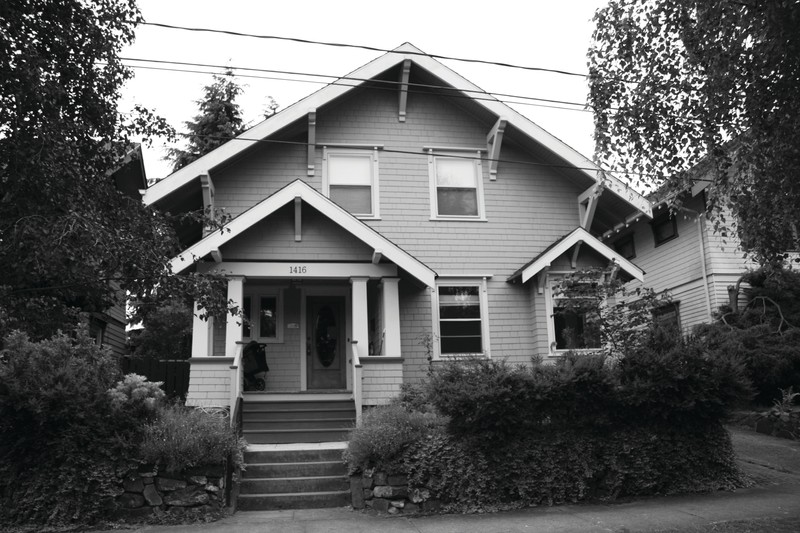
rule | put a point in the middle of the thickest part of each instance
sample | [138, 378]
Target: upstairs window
[456, 186]
[665, 228]
[624, 247]
[350, 179]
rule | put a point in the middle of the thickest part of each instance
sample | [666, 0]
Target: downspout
[701, 233]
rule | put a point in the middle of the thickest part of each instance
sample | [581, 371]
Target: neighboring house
[108, 327]
[683, 255]
[398, 216]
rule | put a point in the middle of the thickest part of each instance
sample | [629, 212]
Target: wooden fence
[174, 373]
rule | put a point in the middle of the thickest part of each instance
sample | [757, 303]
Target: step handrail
[357, 374]
[237, 383]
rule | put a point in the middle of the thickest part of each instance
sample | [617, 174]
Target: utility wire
[348, 78]
[365, 47]
[534, 103]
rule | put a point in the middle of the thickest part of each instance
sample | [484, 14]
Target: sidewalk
[774, 464]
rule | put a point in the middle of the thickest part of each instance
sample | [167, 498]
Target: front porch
[331, 329]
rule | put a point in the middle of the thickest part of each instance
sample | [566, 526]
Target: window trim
[255, 296]
[549, 305]
[483, 293]
[455, 153]
[664, 218]
[370, 152]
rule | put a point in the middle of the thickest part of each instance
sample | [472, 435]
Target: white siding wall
[381, 382]
[209, 383]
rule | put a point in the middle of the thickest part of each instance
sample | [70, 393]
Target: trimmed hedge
[585, 427]
[572, 465]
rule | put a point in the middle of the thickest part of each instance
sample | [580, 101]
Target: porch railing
[357, 373]
[237, 380]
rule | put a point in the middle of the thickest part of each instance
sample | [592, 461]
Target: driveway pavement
[773, 464]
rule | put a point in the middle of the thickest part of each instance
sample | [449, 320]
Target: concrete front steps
[301, 476]
[294, 457]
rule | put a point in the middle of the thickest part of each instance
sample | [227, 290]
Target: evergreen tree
[220, 120]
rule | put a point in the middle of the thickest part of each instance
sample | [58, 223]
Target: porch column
[202, 335]
[360, 323]
[391, 317]
[233, 326]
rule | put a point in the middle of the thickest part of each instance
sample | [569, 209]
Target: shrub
[571, 465]
[60, 437]
[383, 435]
[771, 359]
[182, 437]
[681, 383]
[136, 395]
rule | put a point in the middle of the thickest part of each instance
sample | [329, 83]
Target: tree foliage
[219, 121]
[676, 81]
[66, 231]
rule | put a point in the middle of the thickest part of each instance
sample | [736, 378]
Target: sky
[553, 34]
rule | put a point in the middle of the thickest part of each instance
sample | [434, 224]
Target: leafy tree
[167, 333]
[70, 241]
[219, 121]
[676, 81]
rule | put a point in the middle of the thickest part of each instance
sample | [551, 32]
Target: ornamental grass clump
[182, 437]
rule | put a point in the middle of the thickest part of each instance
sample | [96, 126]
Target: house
[683, 255]
[107, 327]
[398, 217]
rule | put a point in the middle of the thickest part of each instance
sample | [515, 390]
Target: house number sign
[298, 269]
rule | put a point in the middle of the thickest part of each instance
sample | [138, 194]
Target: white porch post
[233, 326]
[202, 335]
[391, 317]
[360, 324]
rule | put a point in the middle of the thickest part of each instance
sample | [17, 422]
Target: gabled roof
[299, 189]
[372, 69]
[562, 245]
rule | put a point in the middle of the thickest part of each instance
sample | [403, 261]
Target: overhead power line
[549, 103]
[365, 47]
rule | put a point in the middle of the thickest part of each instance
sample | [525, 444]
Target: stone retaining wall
[197, 492]
[388, 493]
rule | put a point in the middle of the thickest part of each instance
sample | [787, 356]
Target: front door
[325, 343]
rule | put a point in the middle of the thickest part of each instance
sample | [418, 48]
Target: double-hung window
[456, 185]
[350, 179]
[264, 317]
[572, 313]
[461, 326]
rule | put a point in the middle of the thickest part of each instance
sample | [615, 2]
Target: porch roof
[211, 243]
[562, 245]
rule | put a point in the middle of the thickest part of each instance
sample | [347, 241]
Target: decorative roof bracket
[404, 75]
[494, 141]
[312, 139]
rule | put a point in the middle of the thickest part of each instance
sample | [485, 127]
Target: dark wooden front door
[325, 343]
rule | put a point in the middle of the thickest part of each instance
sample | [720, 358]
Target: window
[665, 228]
[624, 247]
[456, 186]
[350, 179]
[668, 317]
[572, 324]
[461, 318]
[264, 320]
